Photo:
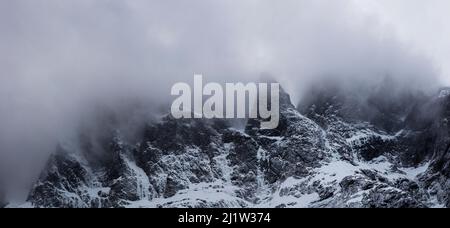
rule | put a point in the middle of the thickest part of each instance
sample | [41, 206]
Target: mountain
[334, 150]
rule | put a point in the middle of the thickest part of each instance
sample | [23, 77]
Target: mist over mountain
[323, 156]
[75, 73]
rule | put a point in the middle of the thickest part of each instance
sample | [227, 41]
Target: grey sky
[422, 24]
[61, 59]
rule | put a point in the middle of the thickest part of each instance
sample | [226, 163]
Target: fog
[61, 61]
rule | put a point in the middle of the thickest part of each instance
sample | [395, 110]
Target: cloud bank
[61, 60]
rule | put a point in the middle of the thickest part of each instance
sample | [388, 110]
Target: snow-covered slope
[318, 157]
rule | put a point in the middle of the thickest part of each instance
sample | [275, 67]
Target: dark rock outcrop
[335, 150]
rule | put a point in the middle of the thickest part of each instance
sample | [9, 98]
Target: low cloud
[62, 60]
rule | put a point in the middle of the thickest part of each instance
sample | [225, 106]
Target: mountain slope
[319, 156]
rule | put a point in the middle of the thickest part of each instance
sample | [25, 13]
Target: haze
[61, 60]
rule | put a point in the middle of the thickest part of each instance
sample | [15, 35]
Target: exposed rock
[297, 143]
[385, 197]
[336, 150]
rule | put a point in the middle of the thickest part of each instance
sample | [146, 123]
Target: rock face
[436, 141]
[329, 152]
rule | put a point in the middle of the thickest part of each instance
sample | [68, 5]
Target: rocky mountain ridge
[325, 153]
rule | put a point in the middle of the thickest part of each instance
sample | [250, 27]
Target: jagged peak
[181, 156]
[444, 92]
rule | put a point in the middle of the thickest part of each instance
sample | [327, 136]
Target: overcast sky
[422, 24]
[61, 58]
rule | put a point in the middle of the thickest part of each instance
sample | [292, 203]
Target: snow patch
[213, 193]
[142, 181]
[444, 93]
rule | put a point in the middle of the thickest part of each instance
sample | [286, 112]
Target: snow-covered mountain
[332, 151]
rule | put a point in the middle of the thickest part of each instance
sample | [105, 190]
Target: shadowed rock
[338, 153]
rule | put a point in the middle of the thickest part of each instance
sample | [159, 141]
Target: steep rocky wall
[321, 158]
